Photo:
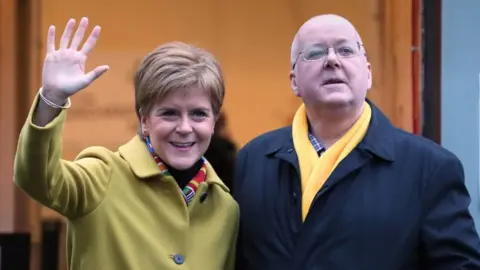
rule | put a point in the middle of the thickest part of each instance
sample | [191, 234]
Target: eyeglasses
[319, 52]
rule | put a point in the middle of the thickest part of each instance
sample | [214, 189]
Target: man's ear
[293, 82]
[370, 77]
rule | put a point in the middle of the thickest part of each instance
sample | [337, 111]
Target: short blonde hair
[175, 66]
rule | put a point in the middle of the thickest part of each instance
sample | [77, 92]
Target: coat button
[178, 259]
[203, 197]
[290, 150]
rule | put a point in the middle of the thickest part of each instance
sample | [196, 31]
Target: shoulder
[103, 160]
[97, 161]
[408, 148]
[422, 146]
[223, 197]
[423, 152]
[267, 142]
[99, 153]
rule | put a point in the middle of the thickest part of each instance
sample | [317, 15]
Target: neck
[328, 125]
[182, 177]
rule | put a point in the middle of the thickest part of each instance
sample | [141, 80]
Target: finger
[67, 33]
[77, 38]
[91, 41]
[51, 39]
[94, 74]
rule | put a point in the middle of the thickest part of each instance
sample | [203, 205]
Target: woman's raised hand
[64, 68]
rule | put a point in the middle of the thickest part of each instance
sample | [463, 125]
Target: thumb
[95, 73]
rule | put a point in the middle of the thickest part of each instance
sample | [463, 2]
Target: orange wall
[252, 41]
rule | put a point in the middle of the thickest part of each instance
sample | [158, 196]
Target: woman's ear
[143, 125]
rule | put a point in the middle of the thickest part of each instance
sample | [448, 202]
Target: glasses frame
[360, 45]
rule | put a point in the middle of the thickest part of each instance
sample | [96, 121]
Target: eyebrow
[165, 108]
[201, 108]
[336, 42]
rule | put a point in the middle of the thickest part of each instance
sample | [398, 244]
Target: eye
[315, 53]
[345, 51]
[199, 114]
[169, 114]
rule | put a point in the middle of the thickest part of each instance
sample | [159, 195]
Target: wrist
[57, 98]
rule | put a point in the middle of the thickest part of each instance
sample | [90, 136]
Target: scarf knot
[314, 169]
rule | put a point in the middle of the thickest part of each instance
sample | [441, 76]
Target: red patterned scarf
[191, 188]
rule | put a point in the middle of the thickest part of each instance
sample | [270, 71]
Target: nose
[184, 126]
[332, 59]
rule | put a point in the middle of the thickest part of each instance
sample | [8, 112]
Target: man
[341, 188]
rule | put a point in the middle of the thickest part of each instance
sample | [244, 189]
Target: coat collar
[136, 154]
[380, 136]
[378, 140]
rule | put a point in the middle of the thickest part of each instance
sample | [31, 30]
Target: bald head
[321, 23]
[329, 80]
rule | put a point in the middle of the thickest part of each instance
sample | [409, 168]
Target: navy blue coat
[397, 201]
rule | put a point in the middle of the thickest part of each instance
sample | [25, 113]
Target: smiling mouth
[182, 145]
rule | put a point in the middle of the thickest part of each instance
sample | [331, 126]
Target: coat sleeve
[70, 188]
[232, 253]
[449, 238]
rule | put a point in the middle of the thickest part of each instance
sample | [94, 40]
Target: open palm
[64, 69]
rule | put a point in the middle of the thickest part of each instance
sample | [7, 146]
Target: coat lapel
[137, 156]
[143, 165]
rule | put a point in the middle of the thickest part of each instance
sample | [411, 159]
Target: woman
[155, 203]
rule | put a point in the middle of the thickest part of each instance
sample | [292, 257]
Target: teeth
[183, 144]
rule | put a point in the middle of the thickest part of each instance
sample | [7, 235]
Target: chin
[329, 103]
[338, 99]
[337, 102]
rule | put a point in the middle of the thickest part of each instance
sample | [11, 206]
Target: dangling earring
[144, 133]
[146, 137]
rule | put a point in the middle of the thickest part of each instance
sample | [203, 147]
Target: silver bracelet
[53, 105]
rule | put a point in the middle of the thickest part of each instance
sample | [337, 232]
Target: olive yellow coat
[121, 212]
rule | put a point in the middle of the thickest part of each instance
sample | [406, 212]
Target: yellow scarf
[315, 170]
